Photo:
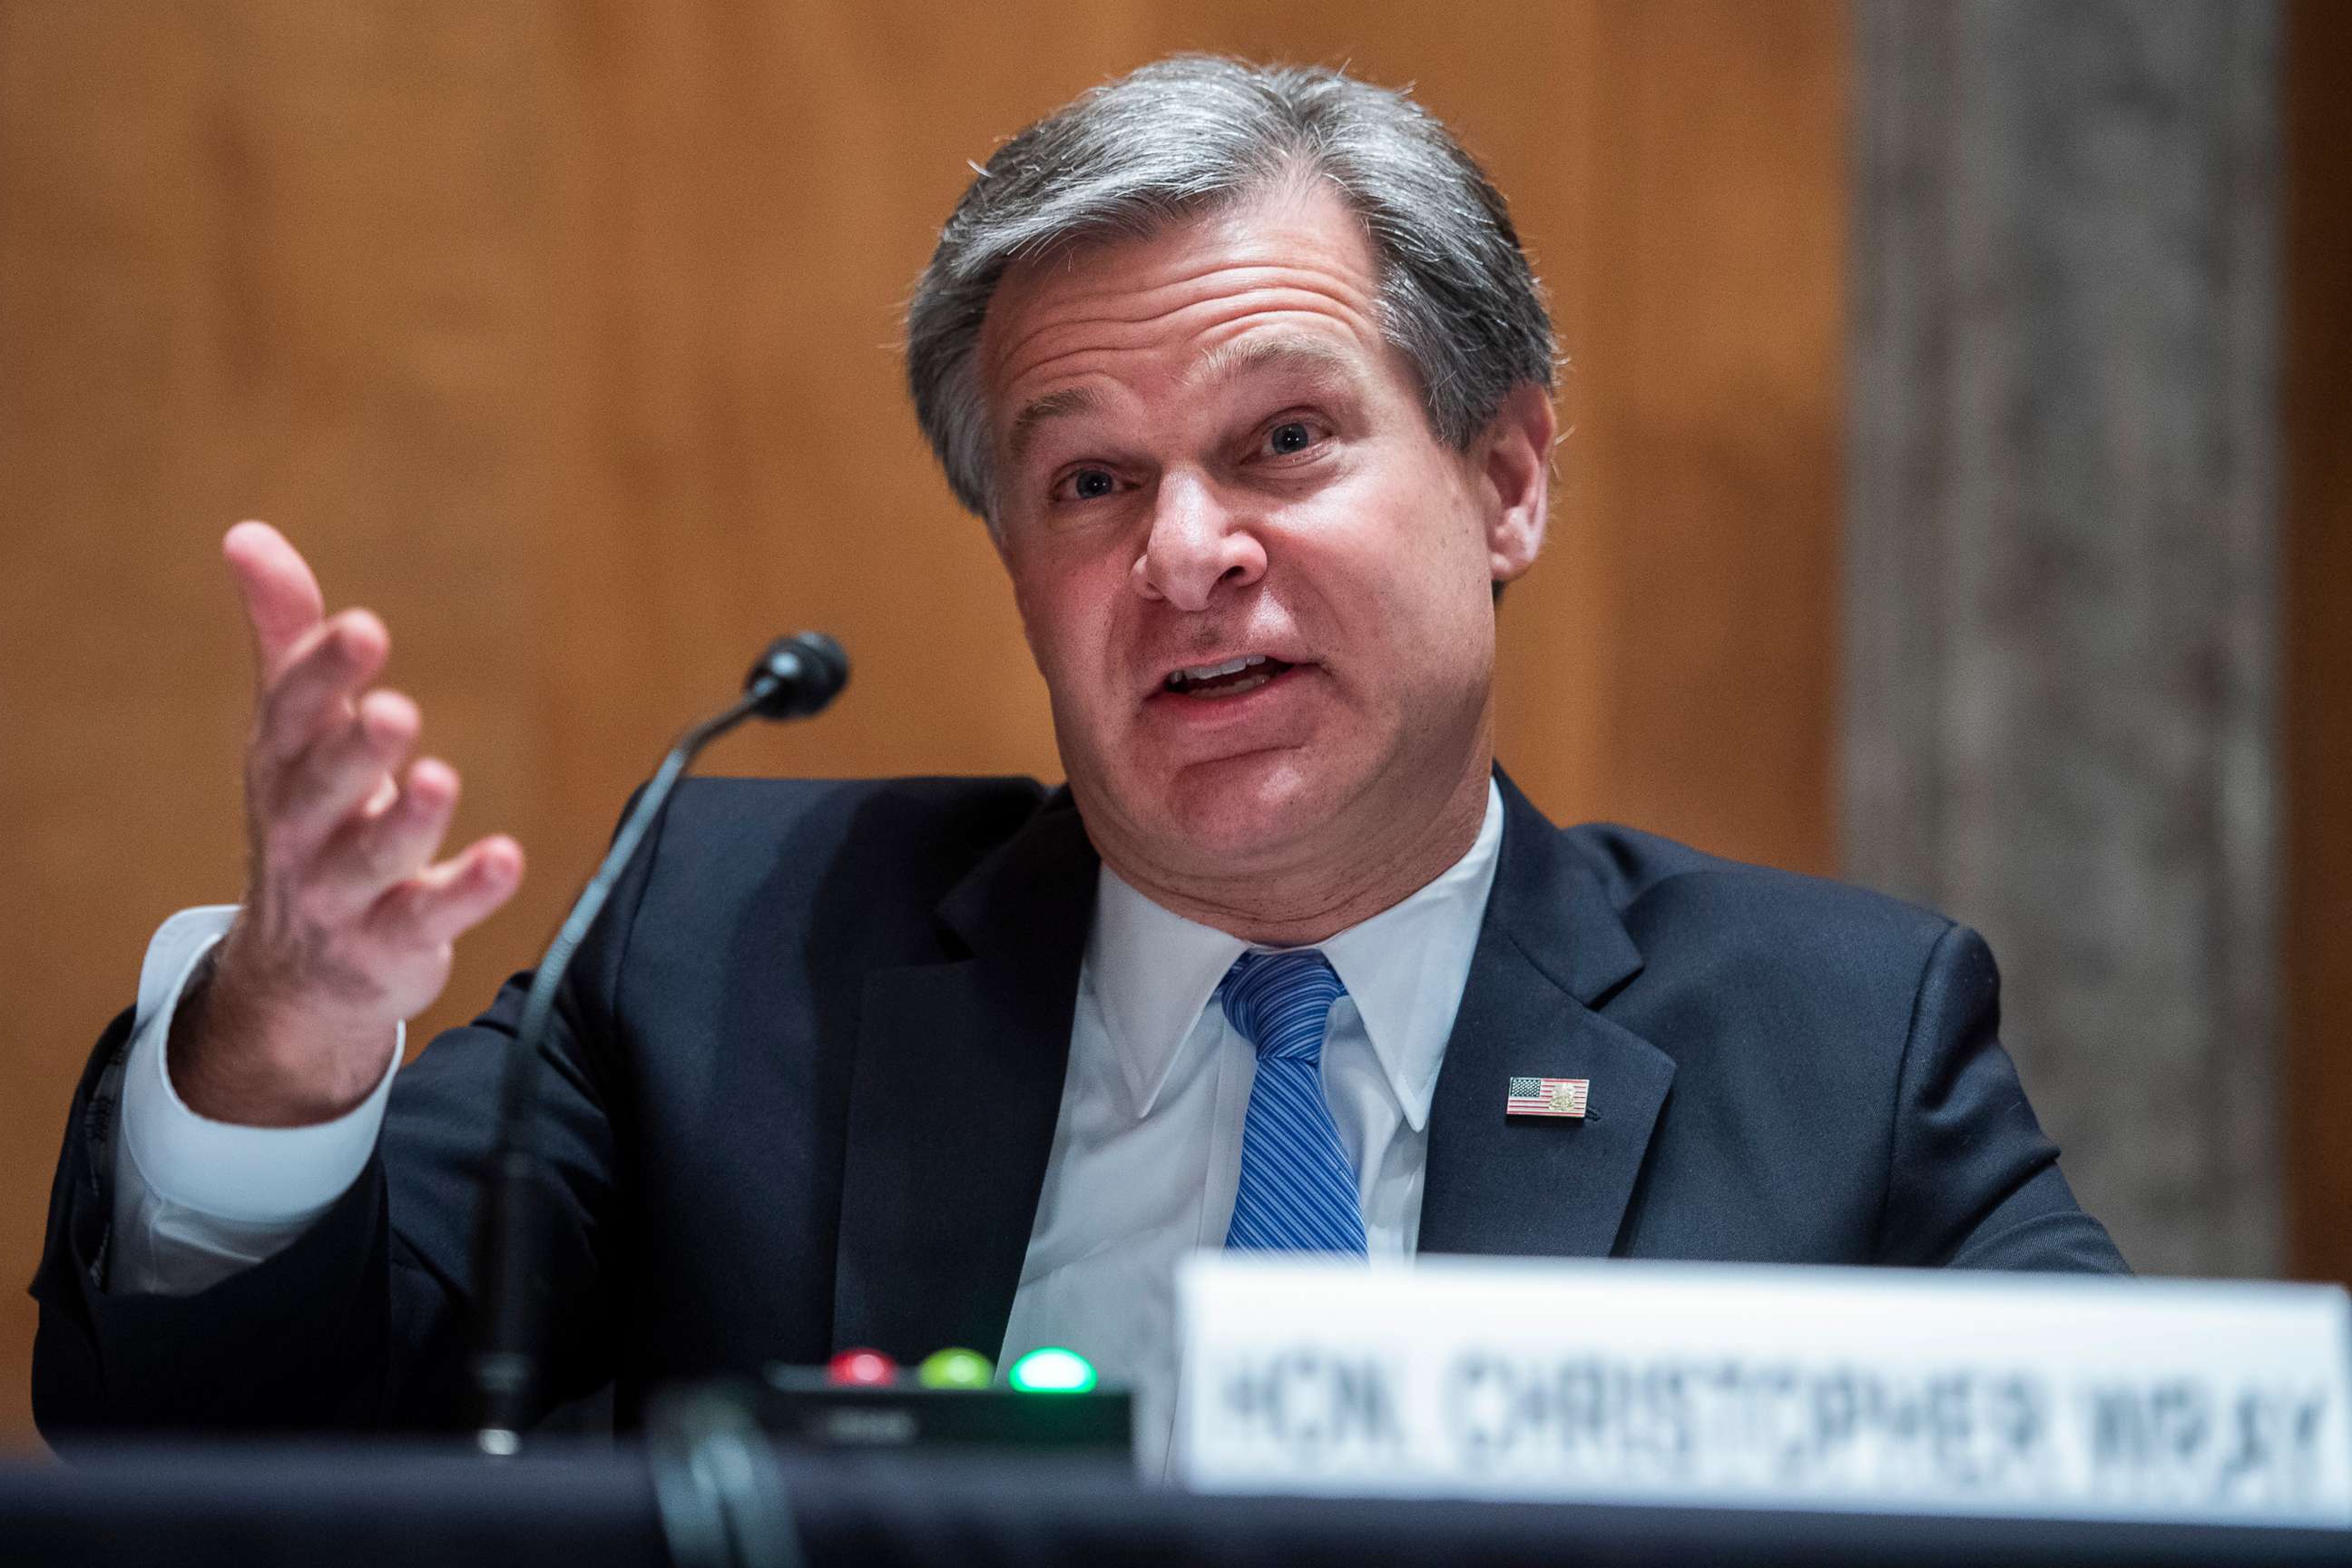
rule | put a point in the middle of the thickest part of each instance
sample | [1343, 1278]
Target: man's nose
[1198, 540]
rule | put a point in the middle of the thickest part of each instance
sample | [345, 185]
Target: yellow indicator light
[954, 1368]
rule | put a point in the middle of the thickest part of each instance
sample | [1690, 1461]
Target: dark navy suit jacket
[807, 1072]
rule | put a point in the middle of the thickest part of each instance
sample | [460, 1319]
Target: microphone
[797, 676]
[795, 679]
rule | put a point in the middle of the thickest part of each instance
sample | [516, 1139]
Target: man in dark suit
[1247, 376]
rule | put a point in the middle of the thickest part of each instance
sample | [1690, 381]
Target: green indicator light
[1053, 1370]
[955, 1368]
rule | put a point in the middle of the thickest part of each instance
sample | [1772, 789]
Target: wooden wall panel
[563, 335]
[2315, 349]
[1674, 661]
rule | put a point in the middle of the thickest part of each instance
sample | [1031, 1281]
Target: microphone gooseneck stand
[795, 679]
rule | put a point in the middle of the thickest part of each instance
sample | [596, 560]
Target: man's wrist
[180, 1174]
[231, 1060]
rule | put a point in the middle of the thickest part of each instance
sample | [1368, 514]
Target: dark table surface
[566, 1507]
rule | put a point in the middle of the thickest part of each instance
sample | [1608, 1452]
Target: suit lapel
[1551, 948]
[952, 1105]
[960, 1066]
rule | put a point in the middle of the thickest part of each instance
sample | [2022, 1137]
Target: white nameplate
[1880, 1390]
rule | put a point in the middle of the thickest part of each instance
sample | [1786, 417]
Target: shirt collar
[1154, 972]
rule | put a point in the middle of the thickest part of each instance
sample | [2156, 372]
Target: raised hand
[348, 922]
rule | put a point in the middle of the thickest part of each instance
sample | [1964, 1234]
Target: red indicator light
[863, 1369]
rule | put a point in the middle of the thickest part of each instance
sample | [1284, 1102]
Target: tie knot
[1281, 1001]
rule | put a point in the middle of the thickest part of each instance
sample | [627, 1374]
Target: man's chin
[1239, 812]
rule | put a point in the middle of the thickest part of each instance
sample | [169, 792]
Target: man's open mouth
[1229, 678]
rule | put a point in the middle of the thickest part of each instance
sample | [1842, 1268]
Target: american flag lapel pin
[1547, 1097]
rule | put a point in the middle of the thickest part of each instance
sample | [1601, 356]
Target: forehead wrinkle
[1241, 273]
[1294, 314]
[1059, 296]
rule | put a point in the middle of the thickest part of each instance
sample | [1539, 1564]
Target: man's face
[1258, 586]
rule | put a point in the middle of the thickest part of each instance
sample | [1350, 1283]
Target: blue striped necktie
[1298, 1191]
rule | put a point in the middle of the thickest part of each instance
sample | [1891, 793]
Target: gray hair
[1186, 134]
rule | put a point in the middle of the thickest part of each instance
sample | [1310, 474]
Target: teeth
[1211, 671]
[1235, 689]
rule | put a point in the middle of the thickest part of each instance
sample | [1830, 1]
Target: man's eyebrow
[1043, 411]
[1225, 363]
[1230, 361]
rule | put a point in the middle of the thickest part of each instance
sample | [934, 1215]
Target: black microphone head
[798, 675]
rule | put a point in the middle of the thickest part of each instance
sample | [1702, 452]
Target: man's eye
[1291, 436]
[1085, 484]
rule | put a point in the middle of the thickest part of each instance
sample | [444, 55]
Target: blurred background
[1955, 495]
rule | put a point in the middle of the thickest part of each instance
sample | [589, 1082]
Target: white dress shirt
[1146, 1154]
[196, 1200]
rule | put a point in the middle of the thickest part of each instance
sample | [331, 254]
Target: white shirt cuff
[195, 1199]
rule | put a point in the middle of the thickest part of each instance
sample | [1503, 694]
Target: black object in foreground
[802, 1406]
[794, 680]
[559, 1506]
[711, 1448]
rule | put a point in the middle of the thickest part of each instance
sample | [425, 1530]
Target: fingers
[376, 849]
[347, 771]
[313, 688]
[348, 923]
[306, 667]
[441, 903]
[282, 602]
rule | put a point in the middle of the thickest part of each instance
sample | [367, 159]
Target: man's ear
[1515, 468]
